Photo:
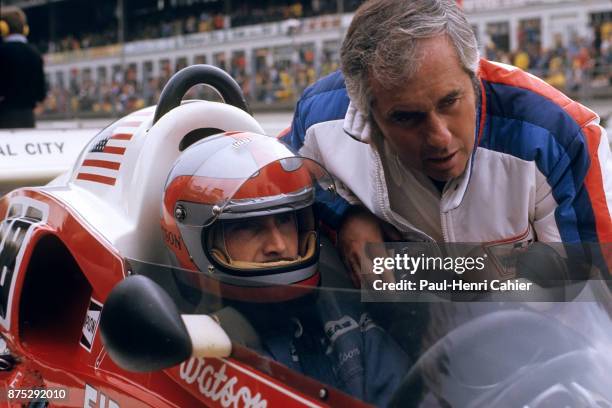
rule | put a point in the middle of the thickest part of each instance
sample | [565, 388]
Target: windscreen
[479, 350]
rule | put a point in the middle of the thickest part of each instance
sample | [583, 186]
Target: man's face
[262, 239]
[430, 120]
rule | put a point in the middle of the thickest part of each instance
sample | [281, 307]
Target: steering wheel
[179, 84]
[486, 353]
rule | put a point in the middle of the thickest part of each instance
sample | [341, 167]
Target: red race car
[92, 313]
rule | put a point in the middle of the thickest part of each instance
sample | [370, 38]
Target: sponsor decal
[97, 399]
[16, 379]
[336, 328]
[240, 142]
[15, 230]
[106, 152]
[347, 355]
[172, 239]
[214, 384]
[366, 323]
[90, 326]
[226, 383]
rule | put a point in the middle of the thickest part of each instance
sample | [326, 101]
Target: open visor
[276, 186]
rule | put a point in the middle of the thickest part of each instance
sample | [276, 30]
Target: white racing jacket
[541, 168]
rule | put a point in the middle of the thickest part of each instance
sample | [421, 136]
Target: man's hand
[358, 228]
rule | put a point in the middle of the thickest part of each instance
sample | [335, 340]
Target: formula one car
[93, 314]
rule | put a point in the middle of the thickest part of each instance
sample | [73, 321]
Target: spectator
[22, 80]
[556, 76]
[574, 68]
[521, 60]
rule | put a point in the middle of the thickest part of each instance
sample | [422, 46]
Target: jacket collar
[16, 38]
[356, 125]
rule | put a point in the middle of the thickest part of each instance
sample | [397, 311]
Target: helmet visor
[280, 186]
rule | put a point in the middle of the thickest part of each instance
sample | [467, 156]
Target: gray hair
[382, 43]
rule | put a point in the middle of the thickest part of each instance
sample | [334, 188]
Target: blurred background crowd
[578, 62]
[192, 17]
[280, 83]
[577, 66]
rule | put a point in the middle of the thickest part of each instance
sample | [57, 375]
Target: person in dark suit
[22, 79]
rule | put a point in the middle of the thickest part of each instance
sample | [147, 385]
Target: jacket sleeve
[573, 203]
[330, 208]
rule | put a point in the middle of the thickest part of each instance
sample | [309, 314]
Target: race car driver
[241, 204]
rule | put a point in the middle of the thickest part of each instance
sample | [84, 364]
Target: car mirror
[142, 329]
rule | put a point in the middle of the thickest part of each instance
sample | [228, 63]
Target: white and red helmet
[232, 178]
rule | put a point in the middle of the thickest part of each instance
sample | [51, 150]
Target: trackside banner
[39, 154]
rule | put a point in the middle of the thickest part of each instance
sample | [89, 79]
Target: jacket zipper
[443, 225]
[443, 215]
[390, 216]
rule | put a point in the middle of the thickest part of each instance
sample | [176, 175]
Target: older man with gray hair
[429, 142]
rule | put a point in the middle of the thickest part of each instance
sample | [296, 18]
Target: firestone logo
[217, 386]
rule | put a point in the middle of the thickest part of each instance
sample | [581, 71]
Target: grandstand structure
[509, 22]
[247, 48]
[274, 48]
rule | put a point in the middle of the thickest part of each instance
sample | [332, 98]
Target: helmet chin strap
[252, 265]
[309, 242]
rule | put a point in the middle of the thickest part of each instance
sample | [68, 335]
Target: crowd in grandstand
[573, 67]
[577, 67]
[280, 82]
[184, 21]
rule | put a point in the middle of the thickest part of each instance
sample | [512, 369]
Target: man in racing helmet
[238, 207]
[237, 211]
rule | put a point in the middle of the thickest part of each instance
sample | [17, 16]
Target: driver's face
[262, 239]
